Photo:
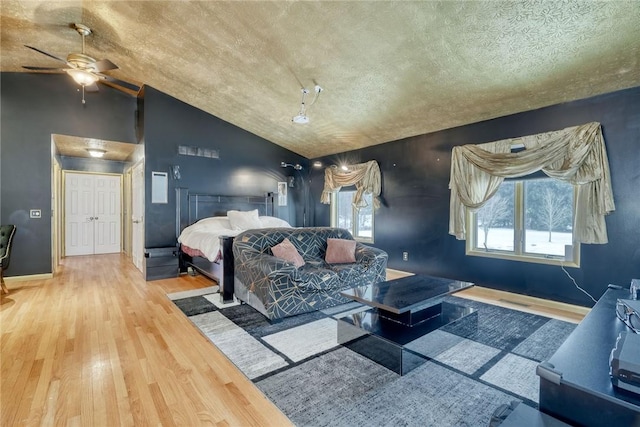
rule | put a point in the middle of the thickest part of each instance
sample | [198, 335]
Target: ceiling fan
[85, 70]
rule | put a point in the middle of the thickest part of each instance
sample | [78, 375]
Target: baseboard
[42, 276]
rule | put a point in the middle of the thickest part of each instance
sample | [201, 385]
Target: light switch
[35, 213]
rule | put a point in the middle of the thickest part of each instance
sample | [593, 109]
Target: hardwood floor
[553, 309]
[98, 346]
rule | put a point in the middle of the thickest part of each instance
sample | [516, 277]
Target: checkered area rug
[299, 365]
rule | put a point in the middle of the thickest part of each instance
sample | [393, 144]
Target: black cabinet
[575, 385]
[161, 263]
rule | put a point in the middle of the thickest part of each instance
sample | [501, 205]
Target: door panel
[78, 215]
[107, 214]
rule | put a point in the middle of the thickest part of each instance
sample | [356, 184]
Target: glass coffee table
[402, 310]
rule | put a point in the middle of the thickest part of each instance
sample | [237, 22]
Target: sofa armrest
[369, 255]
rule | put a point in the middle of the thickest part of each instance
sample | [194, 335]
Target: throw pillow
[241, 220]
[288, 252]
[340, 251]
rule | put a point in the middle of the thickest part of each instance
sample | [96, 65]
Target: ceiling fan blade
[91, 88]
[45, 53]
[104, 65]
[28, 67]
[119, 84]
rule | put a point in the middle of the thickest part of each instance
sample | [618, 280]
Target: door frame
[57, 205]
[138, 253]
[63, 231]
[126, 211]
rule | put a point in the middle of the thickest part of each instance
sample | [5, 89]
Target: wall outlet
[405, 256]
[35, 213]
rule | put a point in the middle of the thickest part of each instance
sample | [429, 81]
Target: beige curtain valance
[365, 176]
[576, 155]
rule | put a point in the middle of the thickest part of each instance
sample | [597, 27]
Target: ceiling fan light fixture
[96, 152]
[82, 77]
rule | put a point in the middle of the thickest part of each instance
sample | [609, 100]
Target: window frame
[354, 216]
[519, 250]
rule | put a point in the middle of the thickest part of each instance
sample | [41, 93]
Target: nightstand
[161, 263]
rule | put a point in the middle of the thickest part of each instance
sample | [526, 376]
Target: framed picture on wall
[282, 194]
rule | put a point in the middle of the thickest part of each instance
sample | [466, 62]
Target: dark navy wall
[248, 164]
[34, 106]
[415, 215]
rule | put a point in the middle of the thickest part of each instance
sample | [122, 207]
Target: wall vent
[186, 150]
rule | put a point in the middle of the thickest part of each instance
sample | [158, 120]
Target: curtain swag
[576, 155]
[365, 176]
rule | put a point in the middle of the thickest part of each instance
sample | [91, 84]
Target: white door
[106, 213]
[92, 214]
[137, 215]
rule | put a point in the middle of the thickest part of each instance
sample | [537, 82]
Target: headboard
[190, 207]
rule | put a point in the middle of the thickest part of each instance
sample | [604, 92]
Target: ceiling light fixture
[96, 152]
[302, 118]
[84, 67]
[82, 77]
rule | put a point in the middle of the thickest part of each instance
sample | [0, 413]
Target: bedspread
[204, 235]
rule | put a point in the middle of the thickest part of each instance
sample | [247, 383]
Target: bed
[206, 225]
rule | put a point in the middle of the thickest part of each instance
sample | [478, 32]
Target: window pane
[365, 219]
[548, 216]
[345, 210]
[495, 220]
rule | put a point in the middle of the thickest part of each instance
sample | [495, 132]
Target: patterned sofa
[277, 288]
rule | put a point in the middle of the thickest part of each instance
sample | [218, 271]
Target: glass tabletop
[405, 294]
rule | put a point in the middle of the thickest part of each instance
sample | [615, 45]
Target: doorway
[93, 213]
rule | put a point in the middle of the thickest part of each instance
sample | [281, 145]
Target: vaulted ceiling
[388, 69]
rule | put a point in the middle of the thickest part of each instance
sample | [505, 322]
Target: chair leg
[4, 287]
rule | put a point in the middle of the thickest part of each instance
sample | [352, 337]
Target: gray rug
[298, 364]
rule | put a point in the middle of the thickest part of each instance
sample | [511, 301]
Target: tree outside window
[358, 221]
[526, 219]
[549, 209]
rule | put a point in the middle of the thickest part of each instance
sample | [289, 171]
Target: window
[527, 220]
[358, 221]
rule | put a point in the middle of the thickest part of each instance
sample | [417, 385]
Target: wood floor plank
[553, 309]
[98, 345]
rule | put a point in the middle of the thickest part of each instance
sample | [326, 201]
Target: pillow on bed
[272, 221]
[340, 251]
[288, 252]
[241, 220]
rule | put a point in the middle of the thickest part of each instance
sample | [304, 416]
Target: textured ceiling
[389, 70]
[74, 146]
